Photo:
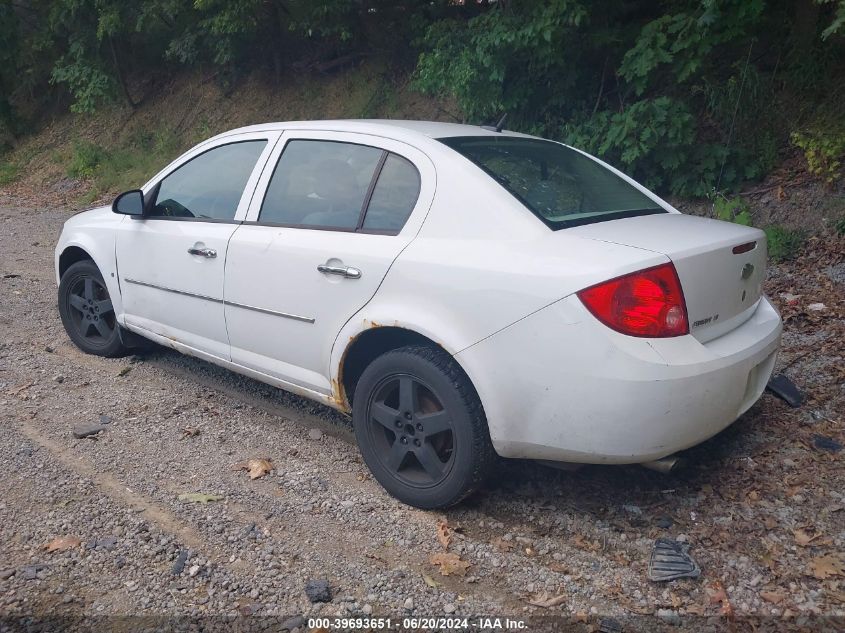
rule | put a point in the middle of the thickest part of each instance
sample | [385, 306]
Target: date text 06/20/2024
[419, 623]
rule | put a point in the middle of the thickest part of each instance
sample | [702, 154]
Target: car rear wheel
[87, 312]
[421, 427]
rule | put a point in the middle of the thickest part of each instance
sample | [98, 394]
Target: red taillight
[647, 303]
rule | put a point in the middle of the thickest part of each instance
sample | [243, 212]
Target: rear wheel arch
[368, 345]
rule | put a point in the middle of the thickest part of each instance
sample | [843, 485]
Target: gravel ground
[747, 505]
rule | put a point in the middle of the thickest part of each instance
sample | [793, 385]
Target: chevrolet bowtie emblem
[747, 271]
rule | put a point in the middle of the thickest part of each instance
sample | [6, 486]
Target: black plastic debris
[664, 522]
[786, 390]
[318, 590]
[609, 625]
[826, 444]
[670, 560]
[179, 564]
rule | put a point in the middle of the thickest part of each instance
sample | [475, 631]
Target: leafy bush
[734, 210]
[9, 172]
[824, 151]
[783, 243]
[89, 84]
[85, 159]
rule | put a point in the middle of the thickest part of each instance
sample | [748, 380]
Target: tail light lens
[646, 303]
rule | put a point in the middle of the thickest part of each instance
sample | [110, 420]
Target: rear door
[171, 259]
[331, 213]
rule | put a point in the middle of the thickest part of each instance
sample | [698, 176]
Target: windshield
[559, 185]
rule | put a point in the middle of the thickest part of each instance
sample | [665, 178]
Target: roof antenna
[499, 126]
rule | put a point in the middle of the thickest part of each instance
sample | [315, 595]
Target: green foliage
[838, 22]
[519, 60]
[683, 95]
[673, 97]
[86, 158]
[839, 226]
[734, 210]
[783, 243]
[9, 172]
[824, 150]
[128, 164]
[656, 141]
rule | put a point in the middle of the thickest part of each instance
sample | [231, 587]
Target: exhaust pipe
[665, 465]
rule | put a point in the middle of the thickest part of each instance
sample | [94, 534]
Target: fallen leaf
[61, 543]
[719, 596]
[257, 467]
[199, 497]
[443, 534]
[774, 597]
[547, 602]
[807, 536]
[693, 609]
[823, 567]
[583, 543]
[502, 545]
[429, 581]
[450, 564]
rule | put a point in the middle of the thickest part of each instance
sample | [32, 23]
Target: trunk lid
[722, 284]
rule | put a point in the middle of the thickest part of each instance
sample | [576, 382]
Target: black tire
[87, 313]
[395, 447]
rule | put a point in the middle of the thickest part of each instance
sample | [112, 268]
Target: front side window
[209, 186]
[320, 184]
[559, 185]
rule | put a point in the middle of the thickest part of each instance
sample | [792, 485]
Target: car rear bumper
[560, 386]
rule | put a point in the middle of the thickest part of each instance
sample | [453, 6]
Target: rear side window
[320, 184]
[559, 185]
[209, 186]
[394, 196]
[340, 186]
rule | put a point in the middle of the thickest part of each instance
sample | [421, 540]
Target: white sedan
[463, 292]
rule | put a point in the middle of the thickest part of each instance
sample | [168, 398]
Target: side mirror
[129, 203]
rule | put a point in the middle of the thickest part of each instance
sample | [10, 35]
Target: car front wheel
[421, 427]
[87, 312]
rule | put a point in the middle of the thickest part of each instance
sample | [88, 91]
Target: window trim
[365, 205]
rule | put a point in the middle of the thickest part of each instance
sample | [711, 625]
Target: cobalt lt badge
[747, 271]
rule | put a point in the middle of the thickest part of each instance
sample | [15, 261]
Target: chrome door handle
[344, 271]
[203, 252]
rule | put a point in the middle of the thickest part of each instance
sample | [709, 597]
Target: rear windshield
[559, 185]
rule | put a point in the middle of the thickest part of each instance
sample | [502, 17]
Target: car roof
[392, 128]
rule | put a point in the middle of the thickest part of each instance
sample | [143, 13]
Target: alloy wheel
[91, 310]
[411, 431]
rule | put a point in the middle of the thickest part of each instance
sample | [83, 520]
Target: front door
[171, 259]
[322, 231]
